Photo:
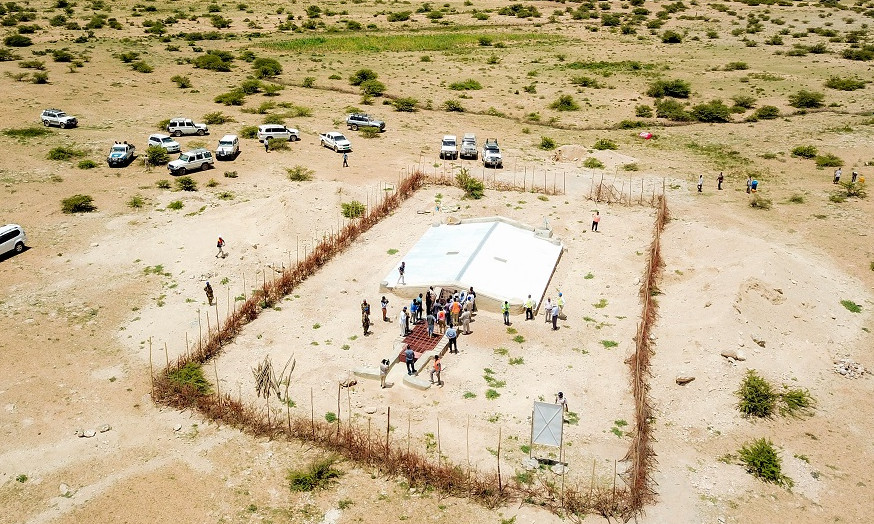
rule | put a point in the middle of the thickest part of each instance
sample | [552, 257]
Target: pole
[199, 334]
[338, 411]
[167, 355]
[500, 488]
[151, 369]
[387, 429]
[312, 413]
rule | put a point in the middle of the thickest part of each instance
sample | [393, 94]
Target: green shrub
[17, 41]
[370, 132]
[796, 199]
[32, 64]
[399, 16]
[272, 89]
[163, 184]
[318, 475]
[713, 111]
[7, 55]
[762, 461]
[182, 82]
[806, 99]
[766, 113]
[231, 98]
[24, 133]
[156, 156]
[796, 402]
[844, 84]
[565, 103]
[87, 164]
[759, 202]
[190, 376]
[472, 187]
[672, 110]
[854, 189]
[299, 173]
[467, 85]
[309, 81]
[361, 76]
[736, 66]
[250, 86]
[353, 209]
[547, 144]
[605, 143]
[631, 167]
[453, 106]
[593, 163]
[805, 151]
[372, 88]
[828, 160]
[62, 55]
[214, 60]
[78, 204]
[643, 111]
[278, 144]
[851, 306]
[671, 37]
[266, 67]
[216, 118]
[586, 81]
[405, 105]
[39, 77]
[249, 131]
[186, 183]
[274, 119]
[64, 153]
[744, 101]
[672, 88]
[757, 396]
[175, 205]
[136, 202]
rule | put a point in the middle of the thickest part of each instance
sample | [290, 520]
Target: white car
[449, 147]
[56, 117]
[190, 161]
[270, 131]
[169, 145]
[186, 126]
[12, 238]
[336, 141]
[228, 147]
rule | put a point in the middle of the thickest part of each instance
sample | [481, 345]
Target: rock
[65, 490]
[682, 380]
[559, 469]
[530, 464]
[177, 427]
[104, 428]
[849, 368]
[732, 353]
[370, 410]
[89, 433]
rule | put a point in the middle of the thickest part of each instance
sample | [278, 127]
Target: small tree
[186, 183]
[805, 151]
[78, 204]
[372, 88]
[361, 76]
[762, 461]
[405, 105]
[547, 144]
[565, 103]
[713, 111]
[156, 156]
[266, 67]
[806, 99]
[472, 187]
[353, 209]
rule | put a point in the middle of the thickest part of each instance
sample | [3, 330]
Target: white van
[268, 131]
[12, 238]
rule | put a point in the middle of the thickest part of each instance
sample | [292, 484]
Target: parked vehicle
[56, 117]
[186, 126]
[190, 161]
[270, 131]
[228, 147]
[12, 238]
[492, 154]
[169, 145]
[336, 141]
[468, 146]
[121, 154]
[449, 147]
[359, 120]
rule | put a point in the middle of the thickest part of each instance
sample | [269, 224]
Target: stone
[65, 490]
[370, 410]
[104, 428]
[732, 353]
[682, 380]
[177, 427]
[89, 433]
[559, 469]
[530, 464]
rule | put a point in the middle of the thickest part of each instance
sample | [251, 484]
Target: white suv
[169, 145]
[268, 131]
[56, 117]
[191, 160]
[186, 126]
[228, 147]
[12, 238]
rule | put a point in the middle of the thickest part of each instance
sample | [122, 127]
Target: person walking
[465, 322]
[209, 294]
[438, 367]
[410, 359]
[345, 159]
[220, 244]
[383, 372]
[429, 301]
[749, 183]
[401, 270]
[529, 308]
[365, 316]
[596, 219]
[384, 304]
[719, 180]
[555, 317]
[838, 173]
[452, 335]
[560, 305]
[402, 322]
[855, 175]
[700, 182]
[505, 309]
[430, 320]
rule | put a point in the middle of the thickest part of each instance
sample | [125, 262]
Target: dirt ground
[97, 293]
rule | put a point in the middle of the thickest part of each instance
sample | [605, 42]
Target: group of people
[552, 310]
[440, 315]
[839, 172]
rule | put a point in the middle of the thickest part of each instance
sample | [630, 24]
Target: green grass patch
[519, 339]
[491, 394]
[469, 395]
[851, 306]
[190, 375]
[24, 133]
[609, 343]
[320, 474]
[403, 43]
[757, 396]
[601, 304]
[517, 361]
[762, 461]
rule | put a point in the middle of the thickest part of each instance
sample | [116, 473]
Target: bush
[24, 133]
[163, 184]
[40, 77]
[61, 55]
[8, 56]
[565, 103]
[156, 156]
[87, 164]
[372, 88]
[468, 85]
[854, 189]
[399, 16]
[309, 81]
[546, 143]
[472, 187]
[214, 61]
[759, 202]
[671, 37]
[453, 106]
[216, 118]
[318, 475]
[672, 110]
[361, 76]
[182, 82]
[405, 105]
[249, 132]
[593, 163]
[763, 462]
[64, 153]
[278, 144]
[299, 173]
[804, 151]
[766, 113]
[586, 81]
[274, 119]
[353, 209]
[370, 132]
[175, 205]
[78, 204]
[186, 183]
[190, 375]
[844, 84]
[231, 98]
[757, 396]
[828, 160]
[643, 111]
[744, 101]
[266, 67]
[713, 111]
[736, 66]
[128, 56]
[17, 41]
[250, 87]
[136, 202]
[796, 402]
[672, 88]
[605, 143]
[806, 99]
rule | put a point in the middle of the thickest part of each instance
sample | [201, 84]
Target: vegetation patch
[353, 209]
[78, 204]
[851, 306]
[410, 43]
[320, 474]
[190, 376]
[299, 173]
[24, 133]
[762, 461]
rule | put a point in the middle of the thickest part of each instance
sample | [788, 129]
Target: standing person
[505, 309]
[410, 359]
[418, 301]
[429, 300]
[220, 244]
[465, 322]
[384, 304]
[596, 219]
[401, 271]
[555, 317]
[345, 159]
[855, 175]
[754, 186]
[266, 145]
[560, 305]
[561, 400]
[700, 182]
[529, 308]
[413, 313]
[402, 322]
[208, 291]
[749, 183]
[383, 372]
[438, 367]
[455, 310]
[719, 180]
[365, 316]
[838, 173]
[441, 320]
[430, 321]
[548, 310]
[471, 296]
[452, 335]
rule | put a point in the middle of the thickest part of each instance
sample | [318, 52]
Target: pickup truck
[121, 154]
[449, 148]
[492, 154]
[335, 140]
[468, 146]
[359, 120]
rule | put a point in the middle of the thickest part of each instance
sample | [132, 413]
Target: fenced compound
[378, 450]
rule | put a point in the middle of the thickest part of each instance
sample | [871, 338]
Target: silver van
[12, 238]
